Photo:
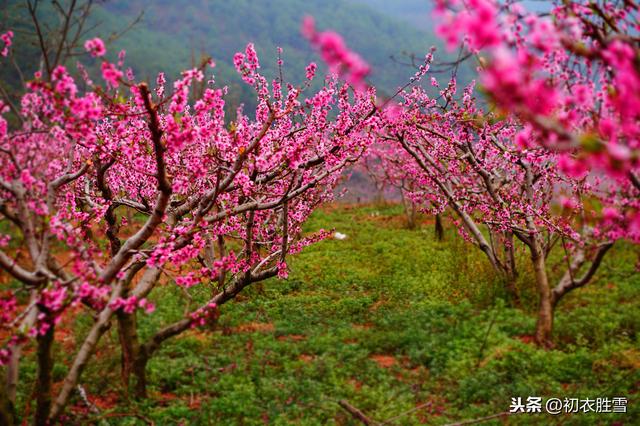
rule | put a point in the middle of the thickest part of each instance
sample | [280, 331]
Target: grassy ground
[391, 320]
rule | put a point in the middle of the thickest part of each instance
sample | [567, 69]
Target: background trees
[467, 160]
[522, 171]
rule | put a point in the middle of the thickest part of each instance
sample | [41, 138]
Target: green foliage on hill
[221, 28]
[415, 12]
[174, 34]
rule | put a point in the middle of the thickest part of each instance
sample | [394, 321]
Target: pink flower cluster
[311, 70]
[130, 304]
[7, 39]
[205, 315]
[477, 24]
[247, 64]
[333, 50]
[95, 47]
[111, 74]
[510, 81]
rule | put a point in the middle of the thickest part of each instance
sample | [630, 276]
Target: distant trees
[570, 83]
[468, 161]
[387, 172]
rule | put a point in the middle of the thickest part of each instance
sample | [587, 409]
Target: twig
[89, 404]
[486, 337]
[356, 413]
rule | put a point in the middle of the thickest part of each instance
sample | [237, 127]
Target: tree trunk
[505, 239]
[129, 345]
[44, 379]
[544, 325]
[7, 412]
[411, 216]
[100, 327]
[511, 278]
[149, 347]
[13, 367]
[147, 350]
[570, 281]
[439, 228]
[409, 210]
[13, 370]
[140, 373]
[378, 199]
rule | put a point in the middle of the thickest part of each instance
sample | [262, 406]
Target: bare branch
[18, 272]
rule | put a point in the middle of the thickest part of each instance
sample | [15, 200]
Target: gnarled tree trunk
[129, 344]
[509, 267]
[140, 372]
[544, 324]
[7, 411]
[44, 378]
[147, 350]
[439, 229]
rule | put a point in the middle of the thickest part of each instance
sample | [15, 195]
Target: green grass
[286, 351]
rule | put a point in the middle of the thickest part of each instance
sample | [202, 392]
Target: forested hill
[173, 34]
[414, 12]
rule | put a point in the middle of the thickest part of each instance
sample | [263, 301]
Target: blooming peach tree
[522, 172]
[469, 161]
[218, 202]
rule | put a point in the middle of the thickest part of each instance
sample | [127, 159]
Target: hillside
[415, 12]
[221, 28]
[173, 35]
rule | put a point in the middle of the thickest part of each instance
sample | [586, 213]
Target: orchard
[138, 213]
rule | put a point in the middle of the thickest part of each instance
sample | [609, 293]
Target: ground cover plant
[389, 319]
